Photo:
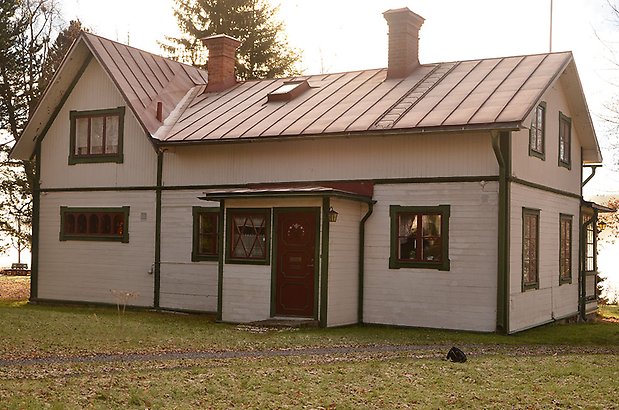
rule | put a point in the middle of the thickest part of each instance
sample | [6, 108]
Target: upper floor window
[419, 237]
[537, 132]
[205, 234]
[96, 136]
[94, 224]
[530, 249]
[565, 249]
[565, 141]
[248, 236]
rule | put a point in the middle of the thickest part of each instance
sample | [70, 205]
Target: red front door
[295, 262]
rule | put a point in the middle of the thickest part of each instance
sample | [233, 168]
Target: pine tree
[264, 52]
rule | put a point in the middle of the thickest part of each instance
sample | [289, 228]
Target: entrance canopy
[362, 191]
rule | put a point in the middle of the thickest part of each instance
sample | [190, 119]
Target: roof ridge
[142, 51]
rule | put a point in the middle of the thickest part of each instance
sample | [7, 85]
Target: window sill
[96, 159]
[442, 266]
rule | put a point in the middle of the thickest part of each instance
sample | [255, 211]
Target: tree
[58, 50]
[264, 52]
[26, 27]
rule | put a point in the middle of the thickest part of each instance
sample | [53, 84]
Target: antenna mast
[550, 44]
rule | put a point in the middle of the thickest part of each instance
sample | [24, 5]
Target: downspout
[593, 169]
[36, 207]
[362, 260]
[157, 284]
[500, 141]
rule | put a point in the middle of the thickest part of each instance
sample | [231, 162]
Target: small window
[205, 234]
[289, 90]
[565, 140]
[419, 237]
[536, 133]
[96, 136]
[590, 245]
[565, 249]
[248, 236]
[94, 224]
[530, 249]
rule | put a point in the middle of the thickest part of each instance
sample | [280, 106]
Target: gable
[92, 92]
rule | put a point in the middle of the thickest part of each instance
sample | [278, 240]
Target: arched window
[93, 224]
[103, 224]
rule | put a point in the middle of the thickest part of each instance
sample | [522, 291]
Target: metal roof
[462, 94]
[145, 79]
[496, 93]
[284, 191]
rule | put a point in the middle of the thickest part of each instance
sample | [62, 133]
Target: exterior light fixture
[332, 215]
[601, 224]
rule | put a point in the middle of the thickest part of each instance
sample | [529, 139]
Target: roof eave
[508, 126]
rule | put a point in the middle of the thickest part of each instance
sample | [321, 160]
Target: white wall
[96, 91]
[547, 172]
[551, 300]
[88, 271]
[428, 155]
[184, 284]
[342, 295]
[247, 288]
[463, 297]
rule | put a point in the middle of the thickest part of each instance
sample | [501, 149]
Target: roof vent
[289, 90]
[404, 28]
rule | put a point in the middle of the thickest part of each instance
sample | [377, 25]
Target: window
[565, 138]
[248, 236]
[419, 237]
[530, 249]
[536, 133]
[565, 249]
[94, 224]
[96, 136]
[205, 234]
[288, 91]
[588, 223]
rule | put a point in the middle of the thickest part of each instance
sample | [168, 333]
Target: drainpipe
[593, 169]
[500, 143]
[362, 260]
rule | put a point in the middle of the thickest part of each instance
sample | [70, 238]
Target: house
[442, 195]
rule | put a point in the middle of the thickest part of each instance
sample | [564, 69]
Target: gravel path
[435, 351]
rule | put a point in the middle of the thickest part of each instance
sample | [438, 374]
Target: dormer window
[289, 90]
[96, 136]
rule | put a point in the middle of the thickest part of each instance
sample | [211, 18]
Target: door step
[286, 322]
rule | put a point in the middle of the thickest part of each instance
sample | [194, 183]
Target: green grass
[609, 311]
[29, 330]
[516, 375]
[381, 382]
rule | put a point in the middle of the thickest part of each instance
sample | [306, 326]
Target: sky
[346, 35]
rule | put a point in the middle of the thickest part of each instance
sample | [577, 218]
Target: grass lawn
[580, 369]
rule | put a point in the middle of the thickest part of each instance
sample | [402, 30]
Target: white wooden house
[456, 187]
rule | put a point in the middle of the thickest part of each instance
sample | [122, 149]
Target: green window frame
[565, 249]
[565, 141]
[205, 234]
[419, 237]
[96, 136]
[537, 133]
[94, 224]
[530, 248]
[248, 235]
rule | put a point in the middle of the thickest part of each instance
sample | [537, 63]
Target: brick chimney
[221, 61]
[404, 28]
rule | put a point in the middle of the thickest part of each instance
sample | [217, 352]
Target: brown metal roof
[496, 93]
[145, 79]
[285, 191]
[457, 94]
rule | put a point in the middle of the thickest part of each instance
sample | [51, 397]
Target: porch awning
[362, 192]
[597, 207]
